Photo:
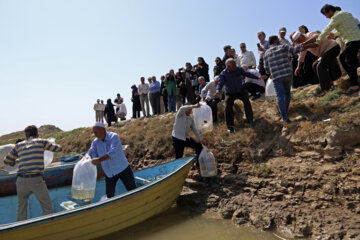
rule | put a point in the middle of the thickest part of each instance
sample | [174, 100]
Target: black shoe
[230, 130]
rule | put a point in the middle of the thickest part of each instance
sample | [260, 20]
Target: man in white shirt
[208, 94]
[180, 134]
[121, 113]
[254, 86]
[245, 57]
[150, 96]
[97, 110]
[143, 91]
[102, 111]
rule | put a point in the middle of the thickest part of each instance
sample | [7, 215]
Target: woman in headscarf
[219, 67]
[135, 98]
[110, 113]
[189, 77]
[180, 84]
[202, 69]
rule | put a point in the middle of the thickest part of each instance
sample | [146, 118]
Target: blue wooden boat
[158, 188]
[56, 175]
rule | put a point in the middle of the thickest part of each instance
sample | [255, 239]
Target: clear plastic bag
[269, 89]
[208, 166]
[48, 155]
[203, 118]
[4, 150]
[84, 180]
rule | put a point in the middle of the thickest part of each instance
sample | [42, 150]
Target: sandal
[350, 91]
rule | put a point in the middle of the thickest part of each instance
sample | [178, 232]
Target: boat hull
[105, 217]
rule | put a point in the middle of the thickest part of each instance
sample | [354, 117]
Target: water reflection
[177, 224]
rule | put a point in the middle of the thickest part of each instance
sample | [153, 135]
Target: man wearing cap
[326, 68]
[30, 154]
[107, 150]
[245, 57]
[282, 34]
[227, 50]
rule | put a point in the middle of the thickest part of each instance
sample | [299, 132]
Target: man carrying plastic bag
[180, 134]
[107, 150]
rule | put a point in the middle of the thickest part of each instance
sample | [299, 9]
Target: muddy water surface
[177, 224]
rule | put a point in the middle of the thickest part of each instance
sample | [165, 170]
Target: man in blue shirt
[155, 90]
[107, 150]
[232, 78]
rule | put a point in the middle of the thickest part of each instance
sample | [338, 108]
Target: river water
[176, 224]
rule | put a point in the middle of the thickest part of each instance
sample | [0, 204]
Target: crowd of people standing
[307, 58]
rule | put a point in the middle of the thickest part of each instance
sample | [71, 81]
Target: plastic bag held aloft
[207, 163]
[203, 118]
[48, 155]
[4, 151]
[269, 89]
[84, 180]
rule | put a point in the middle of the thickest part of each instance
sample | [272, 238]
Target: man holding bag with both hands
[107, 150]
[180, 134]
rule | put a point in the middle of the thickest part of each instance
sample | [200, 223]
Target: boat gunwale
[48, 169]
[8, 227]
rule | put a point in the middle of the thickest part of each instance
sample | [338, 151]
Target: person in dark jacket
[232, 79]
[135, 98]
[110, 113]
[164, 94]
[180, 84]
[202, 69]
[189, 77]
[219, 67]
[227, 50]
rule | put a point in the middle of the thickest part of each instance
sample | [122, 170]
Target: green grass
[302, 95]
[329, 97]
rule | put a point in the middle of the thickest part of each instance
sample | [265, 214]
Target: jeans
[126, 176]
[350, 62]
[172, 103]
[229, 103]
[282, 88]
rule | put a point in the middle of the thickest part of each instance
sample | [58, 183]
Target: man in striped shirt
[277, 63]
[31, 168]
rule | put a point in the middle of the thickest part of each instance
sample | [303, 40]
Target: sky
[58, 56]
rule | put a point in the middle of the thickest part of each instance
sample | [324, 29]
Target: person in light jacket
[180, 134]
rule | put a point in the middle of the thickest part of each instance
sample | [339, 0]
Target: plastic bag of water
[207, 163]
[203, 118]
[269, 89]
[48, 155]
[84, 180]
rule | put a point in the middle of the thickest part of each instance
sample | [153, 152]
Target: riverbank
[300, 178]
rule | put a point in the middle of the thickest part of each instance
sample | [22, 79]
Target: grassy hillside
[301, 178]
